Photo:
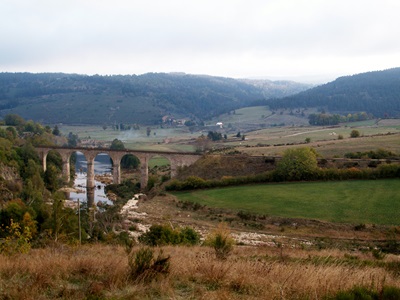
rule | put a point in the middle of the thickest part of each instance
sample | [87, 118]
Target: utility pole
[79, 222]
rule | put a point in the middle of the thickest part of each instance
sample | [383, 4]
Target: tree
[297, 164]
[13, 120]
[63, 221]
[214, 136]
[190, 123]
[202, 143]
[56, 131]
[72, 140]
[354, 133]
[11, 133]
[130, 161]
[52, 178]
[117, 145]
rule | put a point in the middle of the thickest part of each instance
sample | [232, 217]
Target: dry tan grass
[100, 272]
[334, 147]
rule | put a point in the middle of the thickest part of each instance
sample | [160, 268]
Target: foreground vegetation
[41, 256]
[103, 272]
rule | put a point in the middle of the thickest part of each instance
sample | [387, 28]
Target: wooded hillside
[376, 93]
[144, 99]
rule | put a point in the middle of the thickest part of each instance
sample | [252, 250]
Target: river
[102, 165]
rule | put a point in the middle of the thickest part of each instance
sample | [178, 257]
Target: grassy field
[160, 139]
[264, 141]
[356, 202]
[158, 161]
[333, 147]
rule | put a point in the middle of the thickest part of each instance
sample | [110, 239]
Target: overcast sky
[303, 40]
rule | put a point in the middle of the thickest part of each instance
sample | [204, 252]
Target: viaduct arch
[177, 159]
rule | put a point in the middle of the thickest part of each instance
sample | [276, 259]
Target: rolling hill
[377, 93]
[144, 99]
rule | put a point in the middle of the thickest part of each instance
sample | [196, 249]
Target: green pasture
[355, 202]
[246, 114]
[158, 161]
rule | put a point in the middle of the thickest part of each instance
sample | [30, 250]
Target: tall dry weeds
[100, 271]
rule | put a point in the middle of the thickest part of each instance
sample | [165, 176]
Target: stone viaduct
[176, 159]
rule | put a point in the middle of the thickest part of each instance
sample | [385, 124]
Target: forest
[376, 93]
[52, 98]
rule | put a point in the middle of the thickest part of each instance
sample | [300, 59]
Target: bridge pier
[90, 183]
[44, 161]
[90, 173]
[116, 173]
[116, 166]
[66, 170]
[144, 172]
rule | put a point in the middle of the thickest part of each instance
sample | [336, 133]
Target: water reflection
[102, 165]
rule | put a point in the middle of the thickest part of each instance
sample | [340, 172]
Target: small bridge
[176, 159]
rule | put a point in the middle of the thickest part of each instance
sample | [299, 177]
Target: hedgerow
[383, 171]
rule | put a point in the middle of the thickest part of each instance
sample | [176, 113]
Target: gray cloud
[277, 38]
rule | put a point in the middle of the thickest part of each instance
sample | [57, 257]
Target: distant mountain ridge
[376, 92]
[142, 99]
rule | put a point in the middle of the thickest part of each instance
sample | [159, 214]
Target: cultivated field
[266, 135]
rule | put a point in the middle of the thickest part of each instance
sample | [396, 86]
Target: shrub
[244, 215]
[193, 182]
[359, 227]
[297, 164]
[362, 293]
[151, 182]
[145, 267]
[174, 185]
[125, 190]
[354, 133]
[188, 236]
[159, 235]
[17, 241]
[221, 241]
[388, 171]
[359, 293]
[378, 254]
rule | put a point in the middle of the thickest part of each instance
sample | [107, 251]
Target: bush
[354, 133]
[362, 293]
[188, 236]
[145, 267]
[17, 241]
[221, 241]
[159, 235]
[125, 190]
[388, 171]
[297, 164]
